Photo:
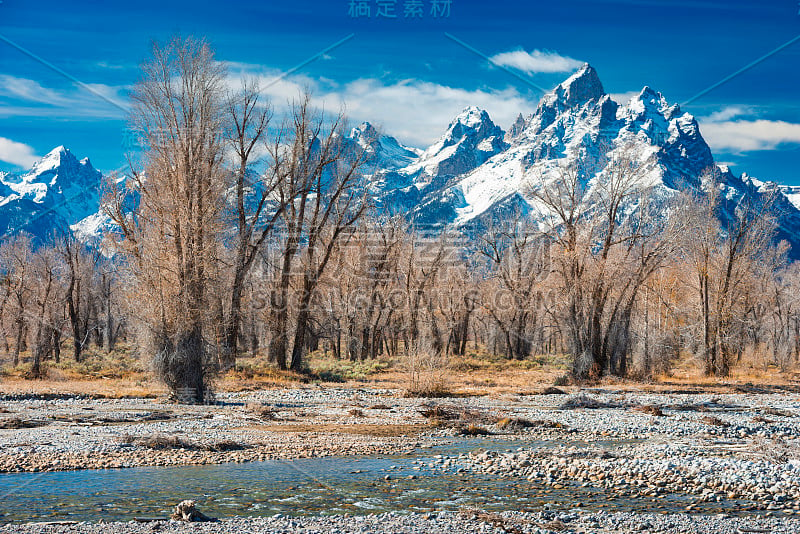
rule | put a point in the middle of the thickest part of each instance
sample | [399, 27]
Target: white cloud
[736, 129]
[623, 98]
[536, 61]
[417, 112]
[18, 154]
[728, 113]
[748, 135]
[23, 97]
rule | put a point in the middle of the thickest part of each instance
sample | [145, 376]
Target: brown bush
[160, 441]
[473, 430]
[650, 409]
[261, 410]
[713, 421]
[17, 423]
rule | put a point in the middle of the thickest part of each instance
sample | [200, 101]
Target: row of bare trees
[56, 294]
[629, 304]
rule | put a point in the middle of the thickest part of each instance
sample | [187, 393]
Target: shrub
[584, 401]
[261, 410]
[427, 372]
[473, 430]
[563, 380]
[333, 370]
[650, 409]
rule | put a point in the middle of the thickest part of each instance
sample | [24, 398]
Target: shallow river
[300, 487]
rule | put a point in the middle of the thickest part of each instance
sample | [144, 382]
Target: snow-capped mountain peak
[471, 138]
[578, 89]
[51, 160]
[649, 103]
[57, 191]
[472, 124]
[471, 117]
[383, 151]
[365, 134]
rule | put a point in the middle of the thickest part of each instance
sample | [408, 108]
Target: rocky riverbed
[56, 433]
[42, 433]
[740, 451]
[45, 433]
[648, 471]
[444, 523]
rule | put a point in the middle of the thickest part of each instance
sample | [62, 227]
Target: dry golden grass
[121, 375]
[111, 388]
[495, 379]
[749, 372]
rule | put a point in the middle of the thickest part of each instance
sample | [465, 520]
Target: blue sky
[404, 74]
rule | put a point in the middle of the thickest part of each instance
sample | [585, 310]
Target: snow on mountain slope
[470, 140]
[792, 194]
[58, 191]
[383, 151]
[473, 173]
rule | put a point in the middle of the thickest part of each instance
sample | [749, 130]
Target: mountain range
[474, 172]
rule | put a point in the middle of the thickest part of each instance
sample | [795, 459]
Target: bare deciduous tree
[318, 171]
[723, 244]
[171, 235]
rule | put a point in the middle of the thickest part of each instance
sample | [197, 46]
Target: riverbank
[735, 453]
[64, 432]
[53, 433]
[444, 523]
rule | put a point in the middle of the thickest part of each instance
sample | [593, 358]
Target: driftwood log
[187, 511]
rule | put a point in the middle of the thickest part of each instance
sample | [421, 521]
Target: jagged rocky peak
[384, 152]
[579, 94]
[471, 138]
[57, 191]
[58, 158]
[364, 132]
[581, 87]
[61, 163]
[53, 160]
[471, 130]
[649, 102]
[472, 119]
[515, 129]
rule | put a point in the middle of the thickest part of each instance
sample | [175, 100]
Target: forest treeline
[245, 229]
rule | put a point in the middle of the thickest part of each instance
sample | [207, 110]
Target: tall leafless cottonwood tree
[597, 214]
[320, 173]
[171, 235]
[723, 243]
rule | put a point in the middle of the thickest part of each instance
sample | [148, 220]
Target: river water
[354, 485]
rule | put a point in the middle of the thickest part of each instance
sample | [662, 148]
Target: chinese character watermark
[414, 9]
[388, 9]
[359, 9]
[440, 8]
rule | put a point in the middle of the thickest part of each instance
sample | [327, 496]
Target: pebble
[441, 523]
